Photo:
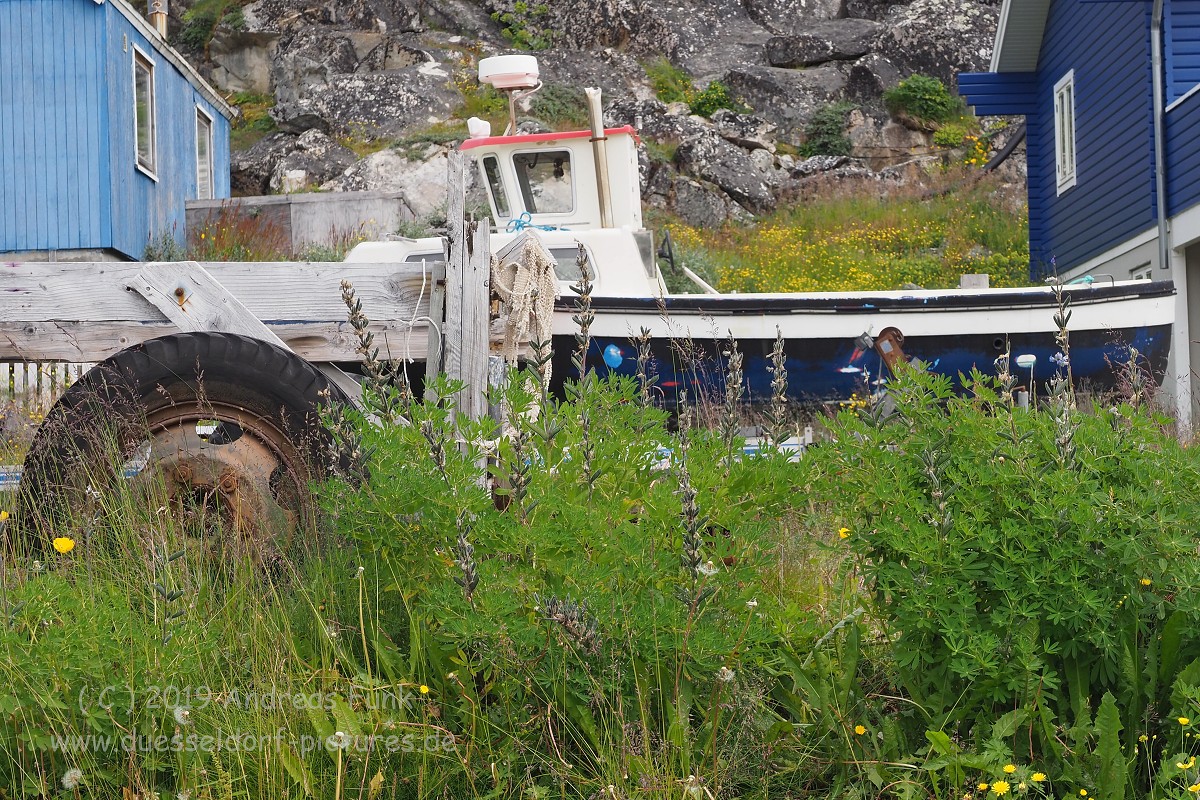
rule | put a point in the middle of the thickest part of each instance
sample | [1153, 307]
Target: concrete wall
[314, 218]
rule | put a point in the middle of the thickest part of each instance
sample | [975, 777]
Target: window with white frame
[204, 156]
[144, 112]
[1064, 131]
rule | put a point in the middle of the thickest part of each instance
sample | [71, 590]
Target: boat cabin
[550, 180]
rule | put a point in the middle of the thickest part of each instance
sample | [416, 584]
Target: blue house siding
[1183, 155]
[68, 178]
[1108, 47]
[141, 205]
[1182, 47]
[50, 135]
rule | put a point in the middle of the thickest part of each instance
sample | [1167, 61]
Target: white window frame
[1065, 164]
[202, 166]
[142, 60]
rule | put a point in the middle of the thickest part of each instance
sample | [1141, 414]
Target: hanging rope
[527, 288]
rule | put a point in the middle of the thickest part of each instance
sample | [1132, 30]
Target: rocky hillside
[736, 99]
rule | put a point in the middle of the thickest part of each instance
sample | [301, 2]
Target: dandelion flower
[859, 730]
[72, 778]
[982, 786]
[339, 741]
[1038, 777]
[707, 568]
[1184, 720]
[752, 604]
[843, 533]
[1000, 788]
[183, 715]
[64, 544]
[424, 689]
[1010, 768]
[725, 675]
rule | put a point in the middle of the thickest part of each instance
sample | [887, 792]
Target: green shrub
[950, 135]
[714, 97]
[524, 26]
[1029, 565]
[924, 99]
[825, 134]
[670, 83]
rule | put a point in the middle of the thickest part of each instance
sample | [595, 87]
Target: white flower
[38, 566]
[339, 741]
[72, 778]
[708, 568]
[725, 675]
[184, 795]
[183, 715]
[752, 604]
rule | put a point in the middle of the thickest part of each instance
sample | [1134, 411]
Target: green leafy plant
[670, 83]
[713, 97]
[950, 135]
[524, 26]
[825, 134]
[924, 99]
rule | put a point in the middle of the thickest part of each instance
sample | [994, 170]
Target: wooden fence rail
[35, 386]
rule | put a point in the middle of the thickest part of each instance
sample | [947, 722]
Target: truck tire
[225, 420]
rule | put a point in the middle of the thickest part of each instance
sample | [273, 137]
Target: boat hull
[952, 332]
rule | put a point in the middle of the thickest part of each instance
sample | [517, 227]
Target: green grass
[859, 241]
[255, 121]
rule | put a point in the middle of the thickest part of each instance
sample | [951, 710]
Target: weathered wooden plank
[272, 291]
[96, 341]
[83, 312]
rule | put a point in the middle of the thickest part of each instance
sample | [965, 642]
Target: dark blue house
[105, 132]
[1110, 91]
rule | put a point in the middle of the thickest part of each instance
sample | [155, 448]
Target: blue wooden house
[105, 132]
[1110, 91]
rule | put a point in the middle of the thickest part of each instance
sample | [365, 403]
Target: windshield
[491, 168]
[545, 181]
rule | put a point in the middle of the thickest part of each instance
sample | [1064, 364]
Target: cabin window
[545, 181]
[1064, 131]
[566, 263]
[143, 112]
[204, 156]
[491, 170]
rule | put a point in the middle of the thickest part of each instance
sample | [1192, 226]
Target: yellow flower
[1038, 777]
[1010, 768]
[859, 730]
[1184, 720]
[424, 689]
[64, 544]
[982, 786]
[843, 533]
[1195, 787]
[1083, 792]
[1143, 738]
[3, 516]
[1191, 762]
[1146, 581]
[1000, 788]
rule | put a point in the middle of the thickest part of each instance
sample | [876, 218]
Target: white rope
[527, 287]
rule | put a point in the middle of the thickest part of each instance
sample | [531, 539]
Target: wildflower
[72, 778]
[1146, 581]
[859, 730]
[1038, 777]
[707, 568]
[1191, 762]
[1083, 792]
[751, 604]
[1021, 786]
[38, 566]
[1143, 738]
[1000, 788]
[843, 533]
[424, 689]
[1010, 768]
[64, 544]
[725, 675]
[183, 715]
[3, 516]
[339, 741]
[1184, 720]
[1059, 360]
[1195, 787]
[983, 787]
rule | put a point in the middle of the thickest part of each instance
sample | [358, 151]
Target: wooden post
[468, 295]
